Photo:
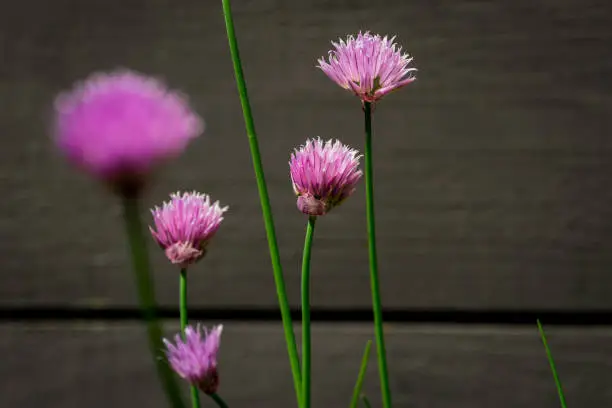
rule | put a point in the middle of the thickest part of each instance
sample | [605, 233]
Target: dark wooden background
[494, 199]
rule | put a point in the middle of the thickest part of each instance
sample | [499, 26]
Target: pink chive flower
[369, 65]
[118, 126]
[184, 226]
[194, 358]
[323, 175]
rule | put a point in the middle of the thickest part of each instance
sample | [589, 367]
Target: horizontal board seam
[348, 315]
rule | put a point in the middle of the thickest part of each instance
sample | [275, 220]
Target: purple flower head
[370, 66]
[118, 126]
[194, 357]
[185, 225]
[323, 175]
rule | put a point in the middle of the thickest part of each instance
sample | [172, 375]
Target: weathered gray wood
[101, 365]
[494, 172]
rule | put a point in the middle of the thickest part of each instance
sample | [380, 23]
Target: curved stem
[218, 400]
[374, 281]
[306, 312]
[265, 201]
[195, 396]
[551, 362]
[146, 294]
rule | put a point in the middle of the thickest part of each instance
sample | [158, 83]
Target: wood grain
[100, 365]
[493, 171]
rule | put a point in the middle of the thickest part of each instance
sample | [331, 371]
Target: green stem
[218, 400]
[265, 201]
[366, 402]
[374, 281]
[361, 375]
[183, 300]
[551, 362]
[306, 313]
[195, 396]
[146, 294]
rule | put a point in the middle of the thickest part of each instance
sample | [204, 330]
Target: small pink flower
[119, 126]
[195, 358]
[369, 65]
[323, 175]
[185, 225]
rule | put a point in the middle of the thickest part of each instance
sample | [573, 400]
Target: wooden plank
[493, 170]
[102, 364]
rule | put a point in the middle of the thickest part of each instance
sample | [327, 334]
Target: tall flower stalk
[370, 66]
[306, 338]
[265, 202]
[373, 256]
[323, 175]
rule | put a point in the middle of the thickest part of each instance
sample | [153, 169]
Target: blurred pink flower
[185, 225]
[118, 126]
[369, 65]
[195, 357]
[323, 175]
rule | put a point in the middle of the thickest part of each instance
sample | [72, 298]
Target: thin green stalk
[265, 201]
[183, 300]
[552, 365]
[218, 400]
[366, 402]
[306, 313]
[146, 294]
[195, 396]
[361, 375]
[374, 281]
